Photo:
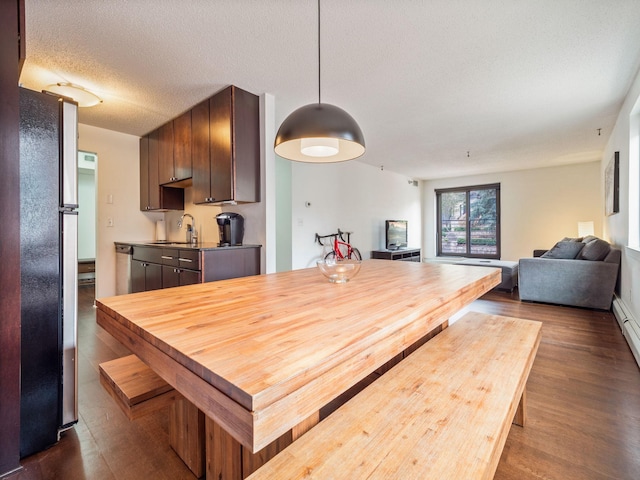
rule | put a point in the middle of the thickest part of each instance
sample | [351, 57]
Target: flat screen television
[395, 234]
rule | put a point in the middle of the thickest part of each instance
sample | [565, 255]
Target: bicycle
[341, 249]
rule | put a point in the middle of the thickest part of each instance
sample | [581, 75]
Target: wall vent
[620, 311]
[629, 325]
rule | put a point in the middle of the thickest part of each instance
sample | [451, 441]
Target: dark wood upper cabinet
[234, 150]
[145, 201]
[174, 154]
[153, 196]
[165, 154]
[200, 150]
[214, 147]
[182, 146]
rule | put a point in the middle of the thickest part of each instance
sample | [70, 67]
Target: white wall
[118, 175]
[86, 214]
[354, 197]
[538, 207]
[624, 139]
[283, 215]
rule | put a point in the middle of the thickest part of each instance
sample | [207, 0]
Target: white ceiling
[516, 83]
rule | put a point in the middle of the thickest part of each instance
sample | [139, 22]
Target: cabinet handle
[166, 257]
[185, 259]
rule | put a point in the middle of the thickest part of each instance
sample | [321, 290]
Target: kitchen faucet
[192, 235]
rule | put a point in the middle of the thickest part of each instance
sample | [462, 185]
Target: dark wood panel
[144, 173]
[165, 154]
[182, 146]
[22, 36]
[221, 146]
[232, 263]
[9, 237]
[200, 151]
[246, 145]
[154, 155]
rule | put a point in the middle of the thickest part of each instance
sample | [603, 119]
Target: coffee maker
[231, 227]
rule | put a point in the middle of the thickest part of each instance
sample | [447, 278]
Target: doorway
[87, 167]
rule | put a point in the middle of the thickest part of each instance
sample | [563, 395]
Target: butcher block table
[261, 355]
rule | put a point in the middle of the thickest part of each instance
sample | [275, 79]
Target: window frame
[467, 190]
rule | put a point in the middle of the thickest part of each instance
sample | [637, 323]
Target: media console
[403, 254]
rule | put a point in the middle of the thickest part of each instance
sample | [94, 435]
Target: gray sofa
[576, 272]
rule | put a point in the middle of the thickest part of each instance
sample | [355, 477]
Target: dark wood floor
[583, 408]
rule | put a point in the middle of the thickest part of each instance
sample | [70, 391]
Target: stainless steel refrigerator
[49, 268]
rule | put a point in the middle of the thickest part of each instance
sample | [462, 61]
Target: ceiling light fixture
[81, 95]
[319, 132]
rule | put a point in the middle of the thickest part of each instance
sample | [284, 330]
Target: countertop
[185, 246]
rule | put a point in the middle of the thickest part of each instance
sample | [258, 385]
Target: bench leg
[187, 434]
[521, 412]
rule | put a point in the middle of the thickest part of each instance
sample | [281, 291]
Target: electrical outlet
[110, 222]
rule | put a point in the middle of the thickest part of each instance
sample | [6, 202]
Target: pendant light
[319, 132]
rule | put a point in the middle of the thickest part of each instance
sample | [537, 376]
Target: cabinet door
[170, 276]
[189, 277]
[200, 152]
[137, 276]
[144, 173]
[182, 146]
[165, 154]
[153, 276]
[221, 142]
[153, 185]
[246, 146]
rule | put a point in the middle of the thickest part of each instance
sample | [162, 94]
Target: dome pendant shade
[328, 125]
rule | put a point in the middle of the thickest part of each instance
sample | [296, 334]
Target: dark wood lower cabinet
[145, 276]
[155, 267]
[178, 277]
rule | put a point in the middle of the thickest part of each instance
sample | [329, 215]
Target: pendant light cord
[319, 52]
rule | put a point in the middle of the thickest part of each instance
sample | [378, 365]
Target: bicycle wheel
[330, 256]
[355, 254]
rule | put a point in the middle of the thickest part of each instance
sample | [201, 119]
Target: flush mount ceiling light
[81, 95]
[319, 132]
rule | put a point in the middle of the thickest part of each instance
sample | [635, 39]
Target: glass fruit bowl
[339, 271]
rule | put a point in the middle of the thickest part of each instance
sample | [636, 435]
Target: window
[469, 221]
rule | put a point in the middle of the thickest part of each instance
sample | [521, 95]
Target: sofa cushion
[564, 249]
[589, 238]
[571, 239]
[595, 250]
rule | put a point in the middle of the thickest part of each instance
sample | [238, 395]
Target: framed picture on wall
[612, 185]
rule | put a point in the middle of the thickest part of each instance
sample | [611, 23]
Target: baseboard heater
[629, 326]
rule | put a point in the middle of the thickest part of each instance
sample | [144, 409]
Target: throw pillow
[571, 239]
[567, 250]
[595, 250]
[589, 238]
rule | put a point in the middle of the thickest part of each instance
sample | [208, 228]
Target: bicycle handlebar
[339, 235]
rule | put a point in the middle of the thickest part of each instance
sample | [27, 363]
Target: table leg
[228, 459]
[521, 412]
[187, 434]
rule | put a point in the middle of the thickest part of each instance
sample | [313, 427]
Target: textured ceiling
[516, 83]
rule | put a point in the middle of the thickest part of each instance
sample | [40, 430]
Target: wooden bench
[139, 391]
[443, 412]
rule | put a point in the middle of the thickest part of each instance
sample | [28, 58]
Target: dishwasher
[124, 252]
